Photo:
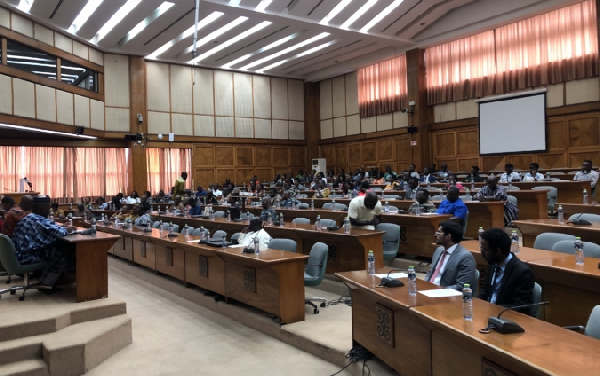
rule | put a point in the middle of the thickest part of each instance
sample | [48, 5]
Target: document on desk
[193, 241]
[440, 293]
[392, 276]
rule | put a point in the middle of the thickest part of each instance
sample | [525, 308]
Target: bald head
[492, 182]
[371, 200]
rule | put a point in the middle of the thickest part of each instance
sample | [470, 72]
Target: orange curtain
[10, 168]
[165, 166]
[115, 171]
[382, 87]
[99, 171]
[45, 167]
[555, 47]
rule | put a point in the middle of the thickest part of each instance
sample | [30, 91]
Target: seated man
[509, 281]
[443, 173]
[58, 213]
[82, 212]
[412, 171]
[586, 174]
[267, 210]
[474, 177]
[16, 213]
[195, 207]
[100, 203]
[509, 175]
[494, 192]
[389, 174]
[422, 202]
[255, 230]
[453, 205]
[427, 176]
[410, 192]
[234, 207]
[6, 204]
[143, 219]
[452, 265]
[365, 211]
[35, 239]
[200, 192]
[533, 174]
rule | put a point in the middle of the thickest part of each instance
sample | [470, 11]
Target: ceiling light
[231, 41]
[362, 10]
[234, 3]
[285, 51]
[84, 15]
[162, 9]
[277, 43]
[263, 5]
[334, 12]
[307, 52]
[217, 33]
[37, 130]
[380, 16]
[186, 34]
[115, 19]
[25, 5]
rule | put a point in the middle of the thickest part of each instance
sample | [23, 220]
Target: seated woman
[58, 213]
[379, 179]
[453, 183]
[422, 202]
[101, 204]
[82, 212]
[255, 230]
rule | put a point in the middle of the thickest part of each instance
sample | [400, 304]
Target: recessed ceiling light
[115, 19]
[165, 6]
[285, 51]
[277, 43]
[217, 33]
[231, 41]
[186, 34]
[263, 5]
[84, 15]
[307, 52]
[334, 12]
[25, 5]
[380, 16]
[362, 10]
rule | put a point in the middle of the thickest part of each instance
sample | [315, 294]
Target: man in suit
[510, 281]
[452, 265]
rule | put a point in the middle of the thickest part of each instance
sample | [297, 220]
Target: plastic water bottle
[160, 226]
[346, 225]
[428, 184]
[371, 263]
[382, 195]
[256, 246]
[93, 226]
[318, 223]
[223, 241]
[561, 215]
[386, 207]
[412, 281]
[418, 209]
[312, 204]
[479, 232]
[281, 221]
[51, 216]
[228, 217]
[441, 195]
[294, 204]
[270, 220]
[70, 206]
[472, 184]
[70, 221]
[578, 251]
[186, 230]
[159, 208]
[510, 183]
[103, 217]
[585, 197]
[467, 302]
[170, 227]
[333, 204]
[211, 214]
[514, 246]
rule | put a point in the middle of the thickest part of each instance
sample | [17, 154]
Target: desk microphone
[506, 326]
[387, 281]
[583, 222]
[335, 227]
[216, 228]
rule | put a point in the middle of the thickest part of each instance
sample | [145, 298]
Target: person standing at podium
[452, 265]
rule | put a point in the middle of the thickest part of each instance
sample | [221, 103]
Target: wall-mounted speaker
[80, 130]
[412, 129]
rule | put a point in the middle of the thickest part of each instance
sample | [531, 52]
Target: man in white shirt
[255, 230]
[509, 175]
[365, 211]
[412, 171]
[452, 265]
[587, 174]
[533, 174]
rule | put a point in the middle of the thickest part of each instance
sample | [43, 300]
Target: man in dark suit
[452, 265]
[510, 281]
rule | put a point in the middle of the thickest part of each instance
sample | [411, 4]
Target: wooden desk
[531, 228]
[571, 208]
[91, 266]
[383, 323]
[272, 281]
[568, 190]
[532, 204]
[543, 349]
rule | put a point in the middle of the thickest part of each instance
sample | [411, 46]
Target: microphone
[582, 222]
[387, 281]
[335, 227]
[216, 228]
[506, 326]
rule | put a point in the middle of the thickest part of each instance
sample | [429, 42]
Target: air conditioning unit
[320, 165]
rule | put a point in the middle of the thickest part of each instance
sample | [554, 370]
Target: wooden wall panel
[204, 176]
[298, 156]
[341, 155]
[354, 154]
[245, 157]
[468, 143]
[203, 156]
[243, 175]
[262, 156]
[385, 150]
[492, 163]
[328, 152]
[584, 131]
[281, 157]
[521, 160]
[465, 164]
[264, 174]
[224, 155]
[369, 152]
[553, 160]
[557, 134]
[576, 158]
[222, 175]
[444, 144]
[402, 149]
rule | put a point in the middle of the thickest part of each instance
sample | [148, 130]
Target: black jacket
[516, 287]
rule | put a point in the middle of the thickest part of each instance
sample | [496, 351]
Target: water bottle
[412, 281]
[467, 195]
[247, 218]
[386, 207]
[256, 246]
[160, 226]
[510, 183]
[51, 216]
[333, 204]
[441, 195]
[103, 217]
[277, 204]
[371, 263]
[479, 232]
[418, 209]
[281, 221]
[93, 222]
[70, 206]
[346, 225]
[170, 227]
[514, 245]
[585, 197]
[206, 234]
[428, 184]
[318, 223]
[211, 214]
[467, 302]
[186, 230]
[561, 215]
[228, 217]
[293, 204]
[159, 208]
[472, 184]
[223, 241]
[578, 251]
[202, 235]
[70, 221]
[382, 195]
[312, 204]
[270, 220]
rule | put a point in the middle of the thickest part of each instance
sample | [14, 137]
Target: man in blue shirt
[195, 208]
[453, 205]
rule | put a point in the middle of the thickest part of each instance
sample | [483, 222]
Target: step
[28, 348]
[25, 368]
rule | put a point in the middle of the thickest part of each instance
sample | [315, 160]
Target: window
[382, 87]
[76, 75]
[30, 60]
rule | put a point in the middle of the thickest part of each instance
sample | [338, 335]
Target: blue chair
[391, 239]
[592, 328]
[282, 244]
[547, 239]
[537, 297]
[315, 271]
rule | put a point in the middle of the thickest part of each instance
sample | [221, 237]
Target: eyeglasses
[438, 233]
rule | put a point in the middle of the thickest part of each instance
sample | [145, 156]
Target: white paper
[441, 293]
[236, 246]
[193, 241]
[393, 275]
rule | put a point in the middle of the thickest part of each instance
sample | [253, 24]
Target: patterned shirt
[427, 207]
[143, 220]
[33, 236]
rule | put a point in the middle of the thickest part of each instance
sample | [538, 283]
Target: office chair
[475, 286]
[391, 239]
[166, 227]
[314, 272]
[592, 328]
[219, 214]
[327, 222]
[513, 200]
[303, 205]
[552, 195]
[218, 236]
[567, 246]
[304, 221]
[537, 297]
[198, 231]
[9, 261]
[283, 244]
[235, 237]
[156, 224]
[547, 239]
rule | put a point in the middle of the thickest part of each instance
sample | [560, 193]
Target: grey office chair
[247, 215]
[587, 216]
[166, 227]
[537, 297]
[283, 244]
[475, 286]
[219, 214]
[304, 221]
[392, 209]
[217, 236]
[567, 246]
[592, 328]
[327, 222]
[303, 205]
[552, 195]
[198, 231]
[9, 261]
[391, 239]
[513, 200]
[327, 205]
[338, 206]
[235, 237]
[546, 240]
[315, 271]
[156, 224]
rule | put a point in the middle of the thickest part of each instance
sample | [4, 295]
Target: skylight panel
[334, 12]
[381, 15]
[84, 15]
[116, 19]
[263, 5]
[277, 43]
[25, 5]
[307, 52]
[362, 10]
[217, 33]
[162, 9]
